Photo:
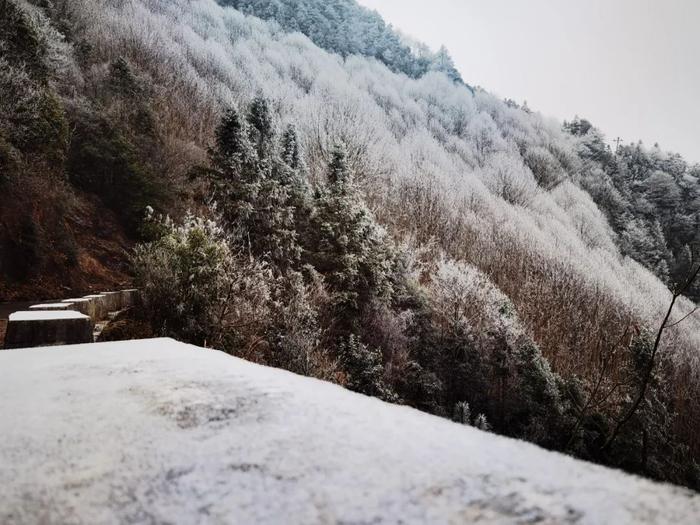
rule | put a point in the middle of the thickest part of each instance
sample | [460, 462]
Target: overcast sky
[632, 67]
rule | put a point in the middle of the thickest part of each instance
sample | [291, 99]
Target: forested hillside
[651, 199]
[396, 233]
[346, 28]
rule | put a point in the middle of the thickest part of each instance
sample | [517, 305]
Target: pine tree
[122, 79]
[443, 63]
[260, 127]
[351, 250]
[364, 369]
[255, 189]
[462, 413]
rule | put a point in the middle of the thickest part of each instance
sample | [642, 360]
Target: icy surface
[161, 432]
[46, 315]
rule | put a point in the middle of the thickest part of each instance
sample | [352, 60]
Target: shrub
[199, 291]
[294, 332]
[364, 369]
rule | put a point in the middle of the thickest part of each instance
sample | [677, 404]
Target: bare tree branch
[652, 362]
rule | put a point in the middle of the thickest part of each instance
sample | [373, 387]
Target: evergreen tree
[260, 126]
[443, 63]
[462, 413]
[122, 79]
[364, 369]
[256, 190]
[351, 250]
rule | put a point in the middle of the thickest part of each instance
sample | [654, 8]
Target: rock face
[161, 432]
[42, 328]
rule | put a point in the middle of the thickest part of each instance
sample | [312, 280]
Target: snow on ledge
[51, 306]
[159, 431]
[46, 315]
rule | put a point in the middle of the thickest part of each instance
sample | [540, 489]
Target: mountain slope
[346, 28]
[165, 432]
[509, 293]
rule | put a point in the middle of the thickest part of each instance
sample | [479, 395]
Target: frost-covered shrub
[295, 332]
[195, 288]
[364, 369]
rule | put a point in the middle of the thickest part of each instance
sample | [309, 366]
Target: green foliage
[103, 161]
[364, 368]
[122, 80]
[351, 250]
[260, 195]
[195, 288]
[651, 199]
[20, 40]
[32, 118]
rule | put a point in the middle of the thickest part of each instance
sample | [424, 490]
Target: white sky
[632, 67]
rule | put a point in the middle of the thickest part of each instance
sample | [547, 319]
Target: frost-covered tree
[347, 28]
[258, 192]
[364, 368]
[351, 251]
[442, 62]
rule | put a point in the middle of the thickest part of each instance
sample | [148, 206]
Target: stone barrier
[84, 306]
[52, 306]
[129, 297]
[32, 328]
[101, 305]
[113, 301]
[68, 321]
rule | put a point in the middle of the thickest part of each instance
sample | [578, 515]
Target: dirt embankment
[48, 252]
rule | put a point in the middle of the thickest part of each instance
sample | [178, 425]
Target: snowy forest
[296, 183]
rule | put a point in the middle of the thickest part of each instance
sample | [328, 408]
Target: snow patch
[51, 306]
[46, 315]
[159, 431]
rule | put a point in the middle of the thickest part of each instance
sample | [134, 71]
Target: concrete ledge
[101, 305]
[47, 328]
[84, 306]
[113, 301]
[52, 306]
[161, 432]
[129, 297]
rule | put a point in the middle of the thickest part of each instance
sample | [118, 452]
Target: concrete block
[129, 297]
[32, 328]
[52, 306]
[114, 300]
[84, 306]
[101, 305]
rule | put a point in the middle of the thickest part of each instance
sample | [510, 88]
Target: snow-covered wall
[158, 431]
